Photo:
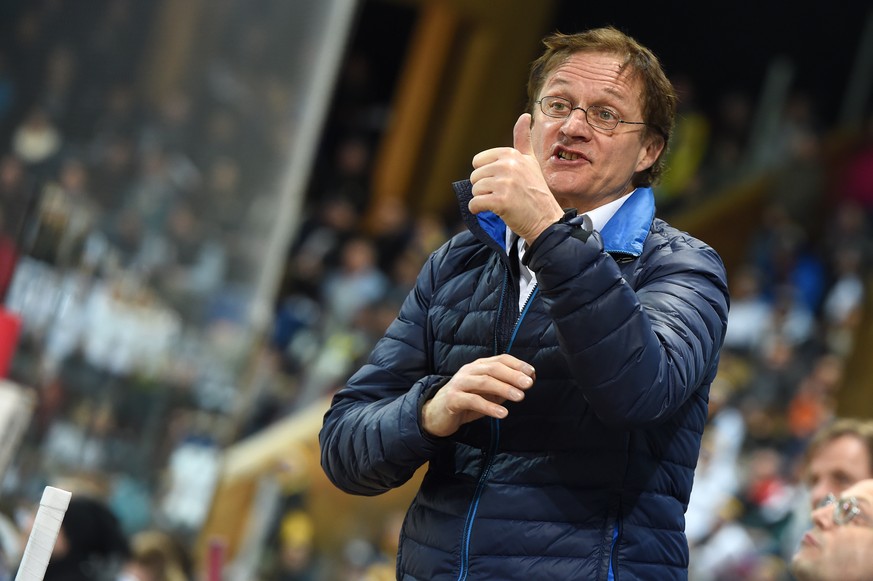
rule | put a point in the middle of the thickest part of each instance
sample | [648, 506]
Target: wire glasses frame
[596, 115]
[845, 510]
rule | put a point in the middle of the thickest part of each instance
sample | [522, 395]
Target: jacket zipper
[495, 436]
[474, 505]
[500, 306]
[521, 314]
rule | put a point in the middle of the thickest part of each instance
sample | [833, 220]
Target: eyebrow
[621, 96]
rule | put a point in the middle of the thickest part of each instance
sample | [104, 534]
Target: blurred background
[210, 210]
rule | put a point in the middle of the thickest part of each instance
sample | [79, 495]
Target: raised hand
[509, 182]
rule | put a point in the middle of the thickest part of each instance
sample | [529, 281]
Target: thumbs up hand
[509, 182]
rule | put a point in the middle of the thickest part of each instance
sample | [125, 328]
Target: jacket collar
[625, 232]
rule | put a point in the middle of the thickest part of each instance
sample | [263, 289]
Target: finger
[488, 381]
[480, 174]
[517, 364]
[521, 134]
[470, 402]
[483, 158]
[501, 377]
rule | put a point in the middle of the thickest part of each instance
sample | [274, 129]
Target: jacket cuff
[578, 226]
[426, 396]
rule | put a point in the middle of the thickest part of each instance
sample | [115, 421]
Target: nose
[823, 517]
[576, 123]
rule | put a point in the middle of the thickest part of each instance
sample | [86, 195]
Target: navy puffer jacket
[589, 476]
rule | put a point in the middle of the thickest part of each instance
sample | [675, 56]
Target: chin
[803, 569]
[565, 192]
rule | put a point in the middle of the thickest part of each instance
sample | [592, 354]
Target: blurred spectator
[846, 228]
[716, 478]
[843, 305]
[839, 454]
[15, 192]
[169, 126]
[800, 177]
[157, 556]
[130, 244]
[67, 215]
[354, 284]
[392, 230]
[688, 147]
[749, 313]
[152, 192]
[767, 494]
[8, 253]
[297, 559]
[193, 468]
[348, 175]
[383, 567]
[113, 170]
[785, 254]
[319, 244]
[7, 89]
[120, 116]
[837, 548]
[61, 69]
[777, 367]
[856, 182]
[222, 138]
[194, 263]
[295, 332]
[37, 141]
[90, 545]
[729, 551]
[798, 132]
[725, 161]
[358, 106]
[814, 401]
[11, 543]
[221, 194]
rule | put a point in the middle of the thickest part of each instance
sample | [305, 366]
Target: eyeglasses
[845, 510]
[596, 115]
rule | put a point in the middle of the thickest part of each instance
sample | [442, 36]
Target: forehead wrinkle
[625, 98]
[595, 66]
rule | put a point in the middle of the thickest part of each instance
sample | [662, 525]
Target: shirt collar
[600, 216]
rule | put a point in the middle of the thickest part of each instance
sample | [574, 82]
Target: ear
[650, 151]
[521, 134]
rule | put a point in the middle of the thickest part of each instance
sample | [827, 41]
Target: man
[837, 548]
[839, 455]
[551, 367]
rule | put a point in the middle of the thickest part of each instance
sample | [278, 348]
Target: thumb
[521, 134]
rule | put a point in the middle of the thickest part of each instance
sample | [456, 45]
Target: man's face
[837, 465]
[832, 552]
[586, 167]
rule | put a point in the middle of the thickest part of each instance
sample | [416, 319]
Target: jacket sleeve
[638, 353]
[371, 440]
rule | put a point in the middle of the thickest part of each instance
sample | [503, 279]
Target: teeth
[568, 156]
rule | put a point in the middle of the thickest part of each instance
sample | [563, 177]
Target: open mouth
[568, 155]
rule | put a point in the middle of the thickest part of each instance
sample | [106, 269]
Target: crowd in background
[149, 203]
